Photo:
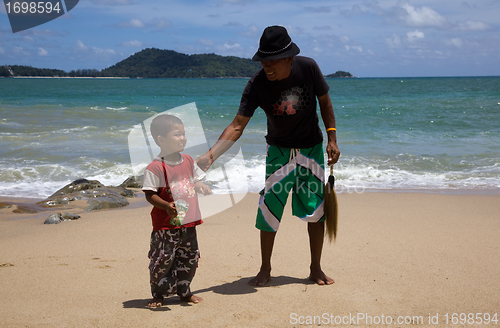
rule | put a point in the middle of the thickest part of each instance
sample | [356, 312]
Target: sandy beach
[400, 259]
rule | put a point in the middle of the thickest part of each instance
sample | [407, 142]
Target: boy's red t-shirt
[174, 182]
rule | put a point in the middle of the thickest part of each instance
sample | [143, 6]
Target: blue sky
[369, 38]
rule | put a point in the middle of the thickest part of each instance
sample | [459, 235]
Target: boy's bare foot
[192, 299]
[319, 277]
[155, 302]
[260, 279]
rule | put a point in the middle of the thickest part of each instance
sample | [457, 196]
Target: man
[286, 88]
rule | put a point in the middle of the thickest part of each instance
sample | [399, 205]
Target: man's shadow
[237, 287]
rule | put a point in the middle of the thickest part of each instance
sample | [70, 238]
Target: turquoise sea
[395, 134]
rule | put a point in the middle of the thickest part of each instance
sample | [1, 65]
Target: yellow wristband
[331, 129]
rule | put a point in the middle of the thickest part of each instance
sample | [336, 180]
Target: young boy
[171, 181]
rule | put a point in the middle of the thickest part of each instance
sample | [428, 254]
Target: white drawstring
[294, 153]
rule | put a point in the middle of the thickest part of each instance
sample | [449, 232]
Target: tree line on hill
[19, 70]
[156, 63]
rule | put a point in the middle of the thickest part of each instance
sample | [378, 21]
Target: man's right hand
[228, 137]
[204, 161]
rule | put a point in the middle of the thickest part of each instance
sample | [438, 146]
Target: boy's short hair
[162, 124]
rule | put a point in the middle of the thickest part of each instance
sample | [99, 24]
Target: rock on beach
[97, 195]
[58, 218]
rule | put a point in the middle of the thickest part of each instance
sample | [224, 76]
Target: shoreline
[338, 189]
[140, 201]
[485, 192]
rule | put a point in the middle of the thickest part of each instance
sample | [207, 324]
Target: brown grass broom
[331, 207]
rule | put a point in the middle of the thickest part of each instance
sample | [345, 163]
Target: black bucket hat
[275, 43]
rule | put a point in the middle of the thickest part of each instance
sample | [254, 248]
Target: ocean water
[395, 134]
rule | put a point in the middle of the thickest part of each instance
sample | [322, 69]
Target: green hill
[339, 74]
[156, 63]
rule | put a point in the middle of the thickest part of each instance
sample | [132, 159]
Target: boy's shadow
[237, 287]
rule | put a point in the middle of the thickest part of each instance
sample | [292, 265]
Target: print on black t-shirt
[292, 101]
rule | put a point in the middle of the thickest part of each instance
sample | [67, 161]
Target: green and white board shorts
[301, 171]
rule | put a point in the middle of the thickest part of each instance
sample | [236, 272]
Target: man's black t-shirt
[290, 104]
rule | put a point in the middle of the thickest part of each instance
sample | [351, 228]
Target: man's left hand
[333, 152]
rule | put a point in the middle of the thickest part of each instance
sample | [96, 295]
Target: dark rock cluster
[97, 195]
[94, 195]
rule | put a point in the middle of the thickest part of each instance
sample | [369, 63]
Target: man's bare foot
[155, 302]
[319, 277]
[192, 299]
[260, 279]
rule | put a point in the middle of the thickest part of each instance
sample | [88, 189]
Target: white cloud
[161, 22]
[2, 51]
[17, 50]
[393, 42]
[133, 43]
[415, 35]
[41, 33]
[318, 10]
[236, 2]
[322, 27]
[356, 48]
[421, 16]
[157, 23]
[468, 5]
[354, 10]
[457, 42]
[42, 52]
[205, 42]
[252, 31]
[232, 24]
[232, 46]
[80, 46]
[318, 50]
[112, 2]
[344, 39]
[103, 52]
[470, 25]
[134, 22]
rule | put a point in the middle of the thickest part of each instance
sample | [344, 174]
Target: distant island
[339, 74]
[157, 63]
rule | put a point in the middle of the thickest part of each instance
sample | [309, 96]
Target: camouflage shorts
[174, 257]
